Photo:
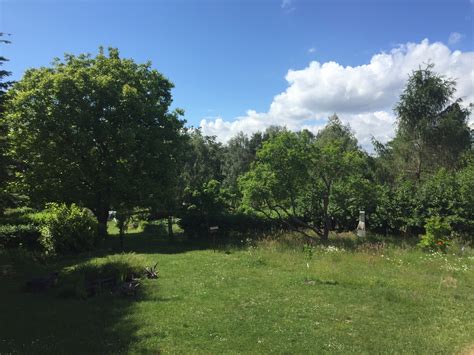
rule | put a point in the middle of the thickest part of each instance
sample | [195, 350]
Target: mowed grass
[258, 298]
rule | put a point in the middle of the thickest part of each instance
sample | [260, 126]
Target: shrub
[75, 282]
[155, 228]
[436, 237]
[66, 229]
[23, 235]
[466, 194]
[196, 224]
[16, 216]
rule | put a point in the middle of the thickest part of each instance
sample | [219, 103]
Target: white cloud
[362, 96]
[312, 50]
[455, 37]
[285, 4]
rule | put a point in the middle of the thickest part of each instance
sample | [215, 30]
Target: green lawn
[254, 299]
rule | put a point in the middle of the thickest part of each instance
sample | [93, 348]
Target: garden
[123, 230]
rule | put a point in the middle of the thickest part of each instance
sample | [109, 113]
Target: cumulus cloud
[363, 96]
[455, 37]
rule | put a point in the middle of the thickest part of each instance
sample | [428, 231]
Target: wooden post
[170, 227]
[213, 230]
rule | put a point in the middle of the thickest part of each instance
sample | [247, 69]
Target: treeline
[98, 132]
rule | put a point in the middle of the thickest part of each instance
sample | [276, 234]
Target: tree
[5, 162]
[432, 125]
[336, 131]
[295, 176]
[466, 192]
[203, 160]
[337, 165]
[239, 153]
[95, 130]
[204, 207]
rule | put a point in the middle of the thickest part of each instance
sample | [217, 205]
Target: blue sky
[226, 57]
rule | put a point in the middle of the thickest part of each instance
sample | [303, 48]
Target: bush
[196, 224]
[155, 227]
[466, 194]
[16, 216]
[66, 229]
[23, 235]
[436, 238]
[75, 282]
[408, 206]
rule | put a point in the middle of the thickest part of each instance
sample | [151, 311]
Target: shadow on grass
[64, 319]
[149, 243]
[45, 324]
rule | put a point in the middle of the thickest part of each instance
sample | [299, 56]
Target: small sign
[214, 228]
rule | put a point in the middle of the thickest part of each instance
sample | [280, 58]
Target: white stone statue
[361, 225]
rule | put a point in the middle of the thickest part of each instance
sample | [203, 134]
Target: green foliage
[465, 179]
[210, 199]
[239, 153]
[309, 182]
[309, 251]
[438, 232]
[20, 235]
[5, 160]
[394, 208]
[203, 161]
[17, 229]
[95, 131]
[73, 282]
[432, 126]
[238, 222]
[203, 207]
[439, 196]
[66, 229]
[19, 215]
[336, 131]
[407, 206]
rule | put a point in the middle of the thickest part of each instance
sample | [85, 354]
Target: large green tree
[95, 130]
[5, 161]
[432, 125]
[302, 180]
[239, 153]
[203, 160]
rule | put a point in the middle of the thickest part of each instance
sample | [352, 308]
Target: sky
[246, 65]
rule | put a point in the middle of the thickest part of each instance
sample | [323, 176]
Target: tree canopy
[95, 130]
[297, 176]
[99, 132]
[432, 125]
[5, 161]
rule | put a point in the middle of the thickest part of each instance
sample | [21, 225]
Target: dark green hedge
[197, 225]
[14, 236]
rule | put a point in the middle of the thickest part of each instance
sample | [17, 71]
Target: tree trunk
[170, 227]
[102, 215]
[122, 227]
[327, 221]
